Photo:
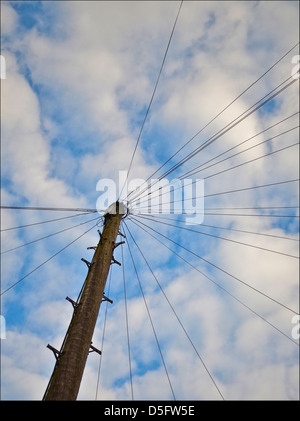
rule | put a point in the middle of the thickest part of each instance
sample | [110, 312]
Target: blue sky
[79, 79]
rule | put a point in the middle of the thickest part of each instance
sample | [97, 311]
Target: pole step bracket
[93, 349]
[104, 298]
[89, 264]
[56, 353]
[74, 304]
[118, 244]
[113, 260]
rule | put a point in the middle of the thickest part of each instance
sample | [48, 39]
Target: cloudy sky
[79, 79]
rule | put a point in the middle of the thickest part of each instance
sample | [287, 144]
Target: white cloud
[26, 150]
[9, 19]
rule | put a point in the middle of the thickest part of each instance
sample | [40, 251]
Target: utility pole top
[116, 208]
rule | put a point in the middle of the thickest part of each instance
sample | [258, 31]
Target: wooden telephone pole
[71, 359]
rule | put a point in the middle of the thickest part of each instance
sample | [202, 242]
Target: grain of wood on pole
[67, 374]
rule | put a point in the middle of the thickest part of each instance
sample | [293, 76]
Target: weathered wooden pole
[71, 359]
